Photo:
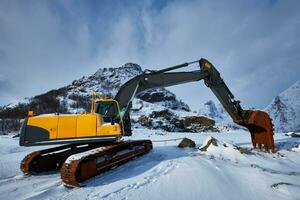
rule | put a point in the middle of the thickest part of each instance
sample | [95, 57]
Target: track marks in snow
[287, 189]
[151, 177]
[14, 188]
[272, 171]
[278, 185]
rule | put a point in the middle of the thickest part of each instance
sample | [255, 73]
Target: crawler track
[52, 159]
[79, 162]
[83, 166]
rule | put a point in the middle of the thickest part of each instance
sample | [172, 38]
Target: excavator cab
[110, 112]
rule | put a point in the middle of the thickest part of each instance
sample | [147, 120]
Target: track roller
[83, 166]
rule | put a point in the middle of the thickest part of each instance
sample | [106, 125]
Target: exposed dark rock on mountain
[285, 109]
[76, 97]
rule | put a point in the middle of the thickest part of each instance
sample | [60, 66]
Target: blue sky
[47, 44]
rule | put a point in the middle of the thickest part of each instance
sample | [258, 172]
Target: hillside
[285, 109]
[154, 108]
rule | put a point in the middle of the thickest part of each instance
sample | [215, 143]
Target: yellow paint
[118, 109]
[207, 65]
[66, 126]
[30, 113]
[109, 130]
[46, 122]
[77, 125]
[86, 125]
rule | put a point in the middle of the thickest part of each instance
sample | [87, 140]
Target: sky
[253, 43]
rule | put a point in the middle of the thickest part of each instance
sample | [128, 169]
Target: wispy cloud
[254, 44]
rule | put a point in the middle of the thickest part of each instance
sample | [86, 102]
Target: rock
[284, 110]
[292, 134]
[222, 146]
[203, 121]
[169, 121]
[10, 125]
[76, 97]
[145, 121]
[164, 98]
[185, 142]
[210, 141]
[243, 150]
[165, 120]
[166, 114]
[197, 124]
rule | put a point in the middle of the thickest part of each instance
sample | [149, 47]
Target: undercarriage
[80, 162]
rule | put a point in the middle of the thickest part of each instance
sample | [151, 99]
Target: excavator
[94, 142]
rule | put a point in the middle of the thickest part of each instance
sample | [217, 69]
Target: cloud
[254, 44]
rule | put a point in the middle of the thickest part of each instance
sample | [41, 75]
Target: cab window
[104, 108]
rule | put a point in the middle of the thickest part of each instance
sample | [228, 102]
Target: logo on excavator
[207, 65]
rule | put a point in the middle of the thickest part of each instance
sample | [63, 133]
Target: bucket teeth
[261, 128]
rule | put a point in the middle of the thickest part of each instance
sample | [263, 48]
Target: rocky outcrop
[216, 112]
[186, 142]
[285, 109]
[9, 125]
[76, 97]
[171, 122]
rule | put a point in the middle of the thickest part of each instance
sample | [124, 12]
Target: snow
[217, 112]
[84, 154]
[292, 134]
[285, 109]
[168, 172]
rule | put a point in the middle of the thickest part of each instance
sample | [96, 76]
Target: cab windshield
[103, 107]
[108, 110]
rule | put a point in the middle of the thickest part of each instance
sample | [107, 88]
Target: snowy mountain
[214, 111]
[76, 98]
[217, 112]
[285, 109]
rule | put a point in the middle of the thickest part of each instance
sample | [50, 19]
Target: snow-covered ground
[168, 172]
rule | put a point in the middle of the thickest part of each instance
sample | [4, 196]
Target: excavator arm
[258, 122]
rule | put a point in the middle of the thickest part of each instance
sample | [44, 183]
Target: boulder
[145, 121]
[222, 146]
[185, 142]
[209, 141]
[292, 134]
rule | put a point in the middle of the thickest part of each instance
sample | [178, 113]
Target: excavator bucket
[260, 126]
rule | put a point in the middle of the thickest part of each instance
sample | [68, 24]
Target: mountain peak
[130, 69]
[76, 97]
[285, 109]
[132, 66]
[214, 111]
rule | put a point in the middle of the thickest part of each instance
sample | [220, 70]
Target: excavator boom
[258, 122]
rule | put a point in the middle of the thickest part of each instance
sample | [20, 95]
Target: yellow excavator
[92, 141]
